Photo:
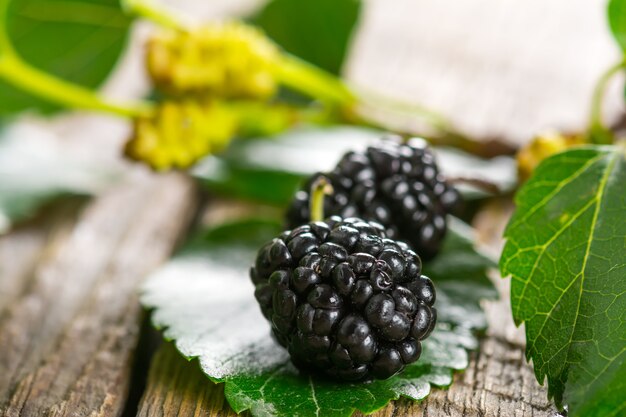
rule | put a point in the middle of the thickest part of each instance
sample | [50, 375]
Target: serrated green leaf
[251, 167]
[76, 40]
[35, 169]
[566, 254]
[203, 300]
[617, 21]
[318, 31]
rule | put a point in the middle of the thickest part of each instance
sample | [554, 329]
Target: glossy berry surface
[345, 300]
[395, 184]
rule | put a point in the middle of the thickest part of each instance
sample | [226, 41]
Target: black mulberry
[344, 299]
[395, 184]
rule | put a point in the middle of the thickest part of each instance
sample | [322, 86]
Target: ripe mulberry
[395, 184]
[345, 300]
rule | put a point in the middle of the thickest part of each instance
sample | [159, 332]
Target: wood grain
[21, 251]
[178, 387]
[69, 330]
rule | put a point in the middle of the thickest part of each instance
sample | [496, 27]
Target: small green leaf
[203, 299]
[617, 21]
[252, 167]
[566, 254]
[318, 31]
[35, 169]
[76, 40]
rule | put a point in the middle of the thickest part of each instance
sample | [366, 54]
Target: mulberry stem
[388, 104]
[598, 132]
[319, 190]
[148, 10]
[299, 75]
[20, 74]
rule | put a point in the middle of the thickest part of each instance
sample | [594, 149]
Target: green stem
[319, 190]
[389, 104]
[301, 76]
[595, 120]
[17, 72]
[315, 82]
[148, 10]
[265, 119]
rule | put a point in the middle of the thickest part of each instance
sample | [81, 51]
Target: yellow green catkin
[179, 133]
[227, 60]
[541, 147]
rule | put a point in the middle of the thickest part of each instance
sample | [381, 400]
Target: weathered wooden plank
[21, 251]
[68, 338]
[178, 387]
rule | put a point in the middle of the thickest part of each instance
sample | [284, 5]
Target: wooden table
[75, 342]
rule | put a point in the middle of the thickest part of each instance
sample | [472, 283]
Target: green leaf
[238, 180]
[76, 40]
[35, 169]
[566, 254]
[252, 167]
[318, 31]
[617, 21]
[203, 299]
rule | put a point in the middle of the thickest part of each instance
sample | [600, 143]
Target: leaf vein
[556, 190]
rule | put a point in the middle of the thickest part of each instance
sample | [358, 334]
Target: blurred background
[498, 70]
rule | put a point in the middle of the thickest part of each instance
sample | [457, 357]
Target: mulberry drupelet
[345, 300]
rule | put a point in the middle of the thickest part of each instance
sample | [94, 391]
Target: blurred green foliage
[318, 31]
[77, 40]
[617, 21]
